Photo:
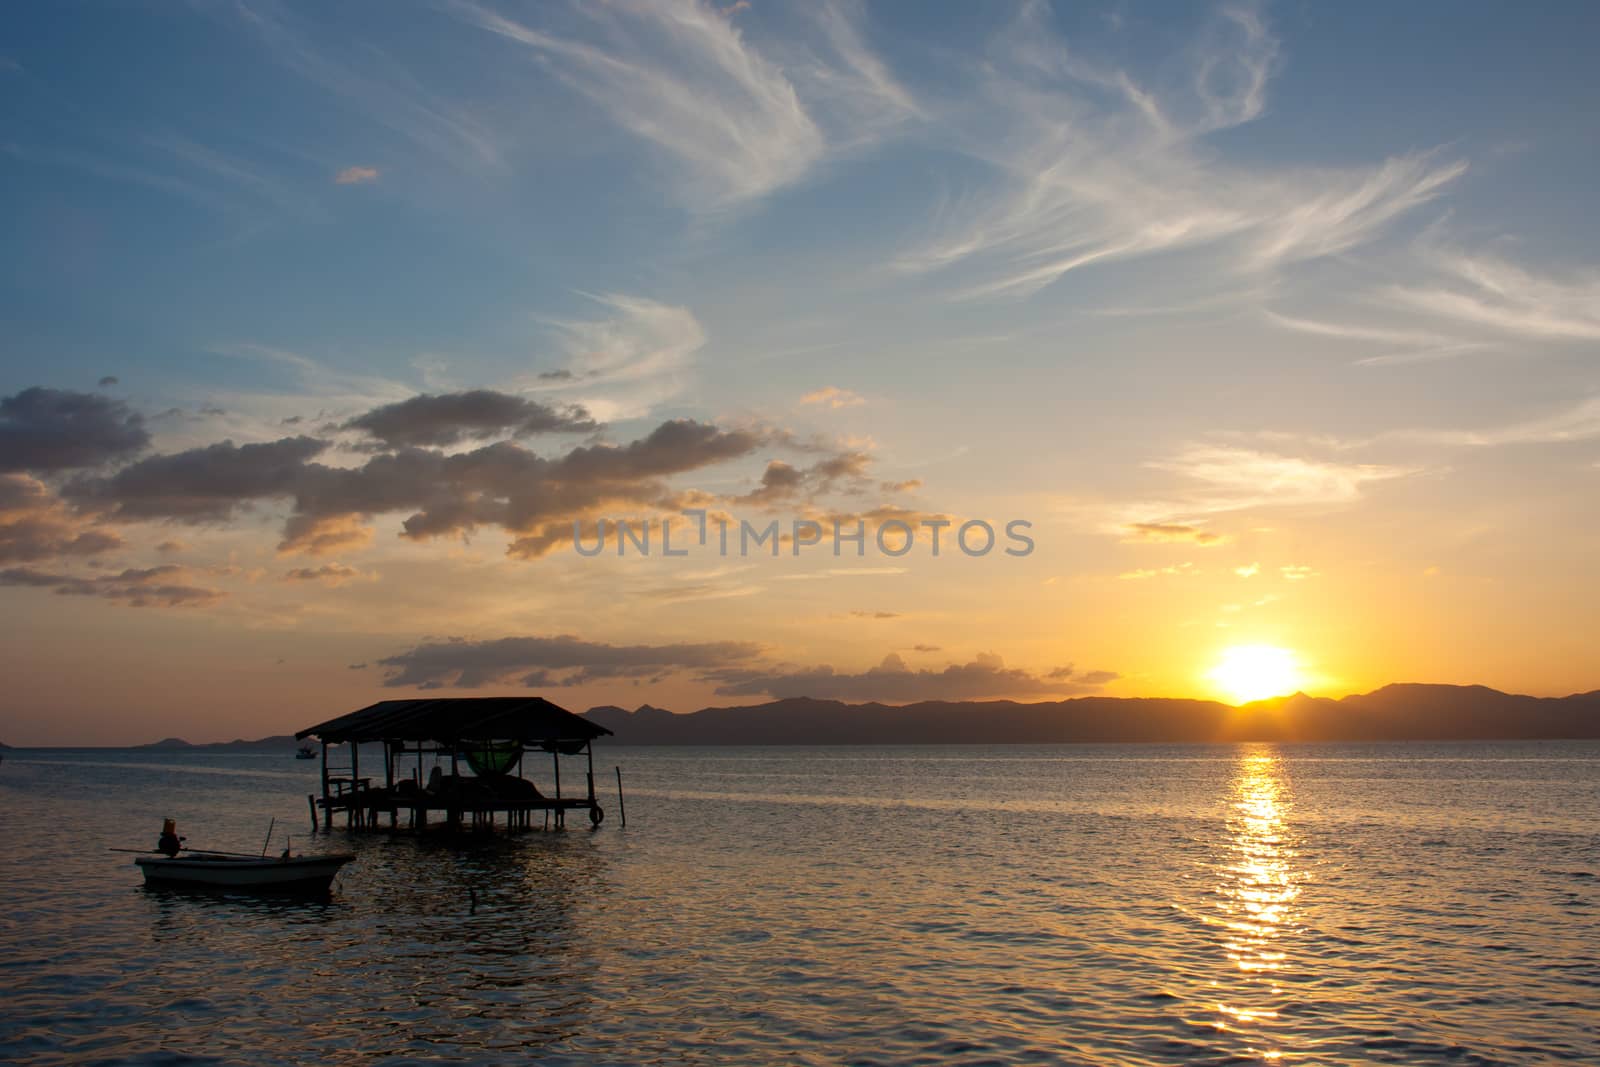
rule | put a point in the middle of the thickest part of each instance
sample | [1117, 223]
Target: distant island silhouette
[283, 741]
[1400, 712]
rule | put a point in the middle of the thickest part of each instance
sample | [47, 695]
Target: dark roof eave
[524, 719]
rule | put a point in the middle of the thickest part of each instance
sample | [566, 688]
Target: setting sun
[1254, 672]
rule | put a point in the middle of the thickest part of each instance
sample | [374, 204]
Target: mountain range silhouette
[1400, 712]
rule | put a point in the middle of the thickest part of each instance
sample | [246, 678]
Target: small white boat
[229, 871]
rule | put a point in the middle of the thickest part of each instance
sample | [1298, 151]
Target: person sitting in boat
[170, 843]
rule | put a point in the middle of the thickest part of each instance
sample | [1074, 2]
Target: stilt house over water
[419, 739]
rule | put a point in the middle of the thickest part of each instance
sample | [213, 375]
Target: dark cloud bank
[94, 452]
[734, 668]
[44, 430]
[480, 414]
[137, 587]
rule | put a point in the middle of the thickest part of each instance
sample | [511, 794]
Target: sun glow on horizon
[1255, 672]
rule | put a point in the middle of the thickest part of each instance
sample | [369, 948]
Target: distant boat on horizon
[305, 752]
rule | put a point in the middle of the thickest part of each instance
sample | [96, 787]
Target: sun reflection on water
[1257, 895]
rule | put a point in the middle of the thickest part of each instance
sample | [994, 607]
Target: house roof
[525, 719]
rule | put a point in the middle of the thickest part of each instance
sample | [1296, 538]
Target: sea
[1088, 904]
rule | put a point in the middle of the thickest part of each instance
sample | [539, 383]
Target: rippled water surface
[1074, 904]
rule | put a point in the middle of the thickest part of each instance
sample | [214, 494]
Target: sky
[1261, 338]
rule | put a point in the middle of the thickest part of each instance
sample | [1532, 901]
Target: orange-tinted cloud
[356, 176]
[329, 574]
[1171, 532]
[833, 397]
[149, 587]
[36, 525]
[321, 536]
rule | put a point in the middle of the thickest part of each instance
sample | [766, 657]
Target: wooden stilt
[454, 812]
[327, 804]
[353, 813]
[388, 782]
[622, 808]
[589, 751]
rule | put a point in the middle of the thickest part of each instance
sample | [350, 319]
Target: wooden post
[327, 801]
[588, 748]
[555, 759]
[311, 802]
[522, 816]
[622, 808]
[454, 809]
[388, 782]
[416, 776]
[352, 816]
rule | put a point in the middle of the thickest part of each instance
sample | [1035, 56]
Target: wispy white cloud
[849, 89]
[1321, 213]
[1353, 332]
[623, 365]
[1492, 293]
[116, 169]
[1225, 478]
[1095, 166]
[232, 172]
[682, 77]
[1404, 346]
[739, 121]
[312, 393]
[1234, 65]
[365, 78]
[1580, 422]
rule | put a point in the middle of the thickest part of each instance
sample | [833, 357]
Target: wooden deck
[457, 802]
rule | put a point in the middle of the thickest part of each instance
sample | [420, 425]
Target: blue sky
[1316, 279]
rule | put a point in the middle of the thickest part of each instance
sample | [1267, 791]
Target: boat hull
[299, 873]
